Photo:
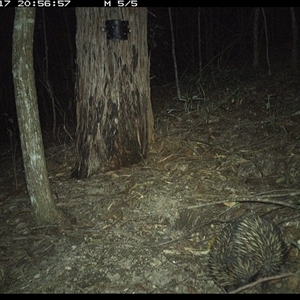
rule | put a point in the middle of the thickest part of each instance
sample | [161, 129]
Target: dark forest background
[226, 46]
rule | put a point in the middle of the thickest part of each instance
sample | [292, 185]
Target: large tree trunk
[114, 114]
[44, 210]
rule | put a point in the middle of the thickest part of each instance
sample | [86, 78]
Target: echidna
[245, 251]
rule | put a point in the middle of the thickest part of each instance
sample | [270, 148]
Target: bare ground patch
[149, 228]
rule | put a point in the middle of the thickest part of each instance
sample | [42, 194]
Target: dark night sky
[220, 28]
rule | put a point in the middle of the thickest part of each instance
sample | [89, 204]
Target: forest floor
[148, 228]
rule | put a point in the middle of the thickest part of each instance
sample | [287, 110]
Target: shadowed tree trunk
[295, 40]
[38, 186]
[255, 38]
[114, 114]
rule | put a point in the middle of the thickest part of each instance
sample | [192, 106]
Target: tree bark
[38, 186]
[114, 113]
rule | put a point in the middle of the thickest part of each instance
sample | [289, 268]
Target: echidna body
[246, 250]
